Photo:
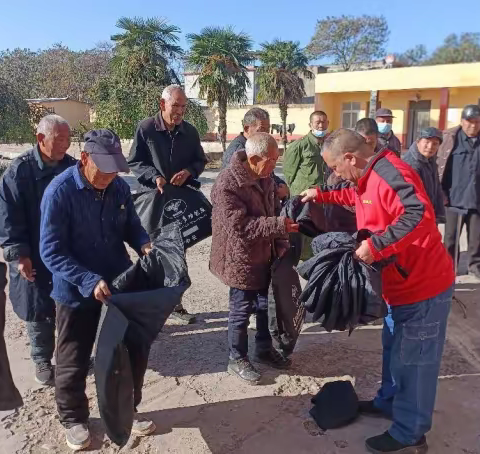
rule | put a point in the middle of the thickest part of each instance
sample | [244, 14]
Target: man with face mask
[391, 202]
[387, 139]
[87, 215]
[21, 191]
[167, 150]
[246, 236]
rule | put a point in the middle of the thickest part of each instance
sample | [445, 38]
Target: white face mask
[318, 133]
[384, 128]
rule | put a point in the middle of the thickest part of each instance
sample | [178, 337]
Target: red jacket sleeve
[339, 194]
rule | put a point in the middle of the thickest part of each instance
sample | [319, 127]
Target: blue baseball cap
[104, 146]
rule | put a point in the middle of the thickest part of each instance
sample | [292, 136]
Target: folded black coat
[315, 219]
[344, 291]
[131, 324]
[183, 205]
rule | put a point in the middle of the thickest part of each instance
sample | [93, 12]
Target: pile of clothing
[342, 291]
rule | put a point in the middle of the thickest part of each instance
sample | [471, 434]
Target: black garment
[462, 173]
[390, 141]
[156, 151]
[9, 396]
[241, 305]
[21, 190]
[344, 290]
[472, 220]
[428, 171]
[238, 144]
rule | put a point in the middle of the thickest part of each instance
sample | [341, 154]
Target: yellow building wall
[459, 98]
[76, 113]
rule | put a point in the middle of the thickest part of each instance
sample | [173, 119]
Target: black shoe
[183, 317]
[273, 358]
[367, 408]
[44, 374]
[385, 443]
[243, 368]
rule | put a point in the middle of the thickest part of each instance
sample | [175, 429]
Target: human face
[55, 146]
[428, 147]
[346, 166]
[471, 127]
[319, 123]
[264, 166]
[97, 178]
[173, 109]
[259, 126]
[388, 120]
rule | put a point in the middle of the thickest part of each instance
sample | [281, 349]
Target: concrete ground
[198, 408]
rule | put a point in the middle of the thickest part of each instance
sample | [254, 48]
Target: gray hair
[259, 143]
[169, 89]
[255, 114]
[47, 124]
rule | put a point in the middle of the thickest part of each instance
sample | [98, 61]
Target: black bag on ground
[183, 205]
[131, 324]
[335, 405]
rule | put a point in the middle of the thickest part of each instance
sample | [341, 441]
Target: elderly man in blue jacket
[87, 216]
[21, 191]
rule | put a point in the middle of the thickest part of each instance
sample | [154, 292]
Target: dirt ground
[198, 408]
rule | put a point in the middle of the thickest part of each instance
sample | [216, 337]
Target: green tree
[349, 41]
[279, 77]
[413, 57]
[457, 49]
[221, 57]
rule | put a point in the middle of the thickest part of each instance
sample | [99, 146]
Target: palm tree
[221, 57]
[279, 77]
[144, 52]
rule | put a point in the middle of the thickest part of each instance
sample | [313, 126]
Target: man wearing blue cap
[87, 215]
[387, 139]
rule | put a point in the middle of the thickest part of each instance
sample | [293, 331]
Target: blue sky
[81, 24]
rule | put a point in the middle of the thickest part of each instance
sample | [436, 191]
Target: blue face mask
[384, 128]
[318, 133]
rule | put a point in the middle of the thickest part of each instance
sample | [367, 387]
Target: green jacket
[303, 165]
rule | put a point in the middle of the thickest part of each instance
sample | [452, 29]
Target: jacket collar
[418, 156]
[80, 180]
[313, 140]
[239, 172]
[38, 157]
[160, 124]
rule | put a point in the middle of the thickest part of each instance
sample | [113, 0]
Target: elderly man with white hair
[21, 190]
[167, 150]
[246, 238]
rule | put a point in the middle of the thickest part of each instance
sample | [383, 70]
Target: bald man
[390, 201]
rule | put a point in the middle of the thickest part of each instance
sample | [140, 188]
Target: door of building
[418, 119]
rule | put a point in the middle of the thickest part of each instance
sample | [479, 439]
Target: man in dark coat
[87, 217]
[459, 172]
[422, 156]
[246, 233]
[387, 138]
[21, 192]
[167, 150]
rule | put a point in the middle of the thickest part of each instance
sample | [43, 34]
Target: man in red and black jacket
[390, 200]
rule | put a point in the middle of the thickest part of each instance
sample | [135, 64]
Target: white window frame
[351, 108]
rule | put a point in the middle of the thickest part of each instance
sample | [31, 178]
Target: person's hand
[101, 292]
[25, 268]
[161, 182]
[309, 195]
[179, 178]
[364, 253]
[291, 226]
[282, 191]
[146, 248]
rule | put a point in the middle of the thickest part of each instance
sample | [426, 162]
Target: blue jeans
[414, 353]
[242, 304]
[42, 340]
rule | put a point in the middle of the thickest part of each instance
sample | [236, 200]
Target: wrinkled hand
[102, 292]
[309, 195]
[146, 248]
[161, 182]
[291, 226]
[363, 253]
[282, 191]
[25, 268]
[179, 178]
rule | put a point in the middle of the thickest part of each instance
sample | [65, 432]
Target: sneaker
[78, 437]
[44, 374]
[183, 317]
[385, 443]
[273, 358]
[243, 368]
[142, 426]
[367, 408]
[253, 322]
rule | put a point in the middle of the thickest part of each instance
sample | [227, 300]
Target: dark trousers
[472, 221]
[242, 304]
[42, 340]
